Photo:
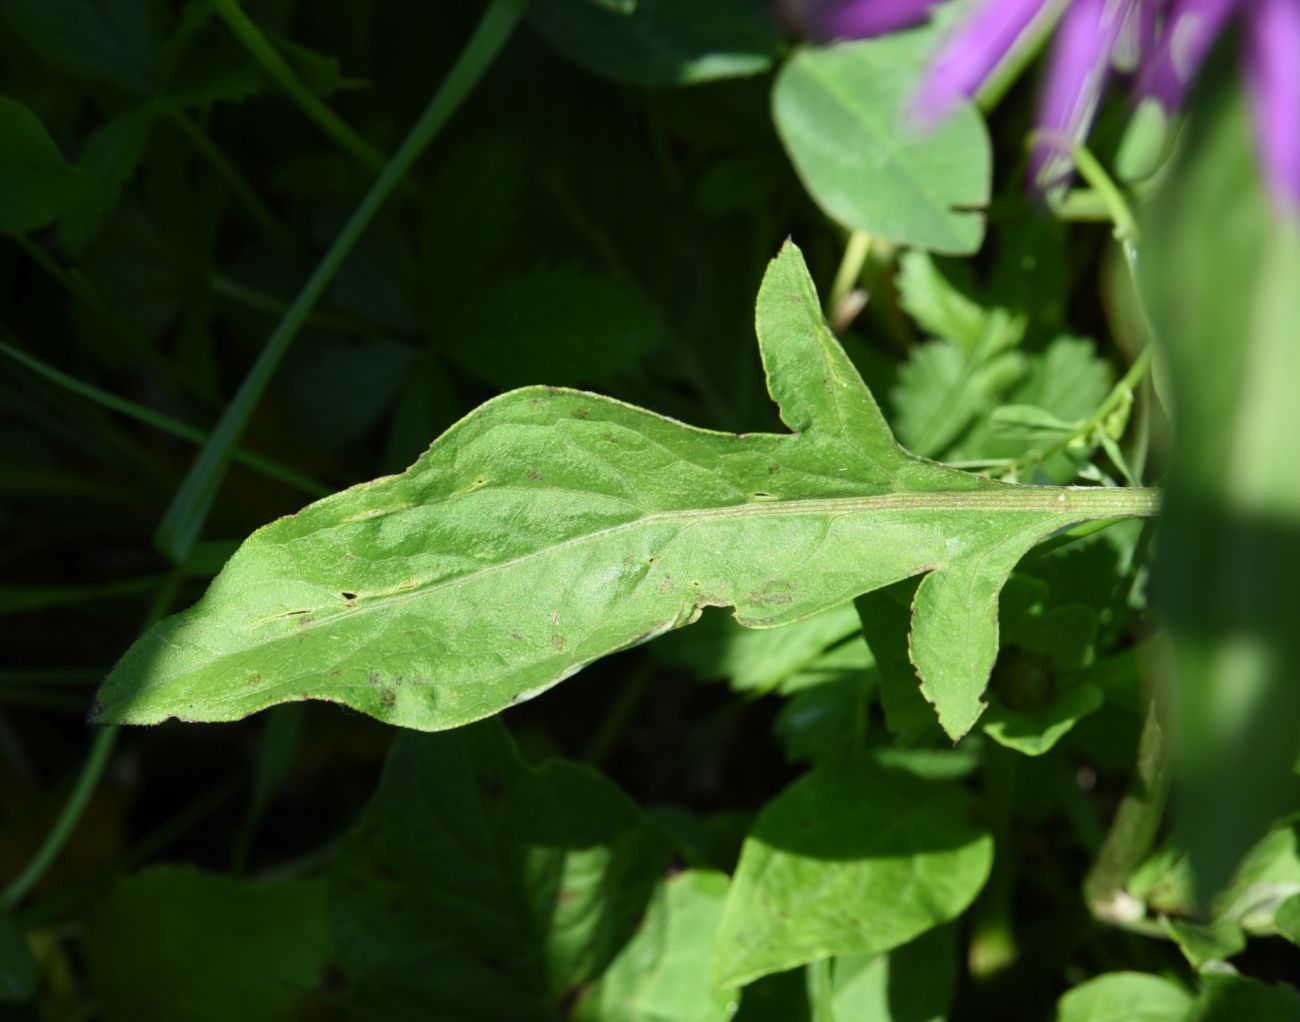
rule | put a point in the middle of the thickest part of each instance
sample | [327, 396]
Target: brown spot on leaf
[254, 680]
[388, 698]
[581, 414]
[534, 475]
[374, 678]
[558, 642]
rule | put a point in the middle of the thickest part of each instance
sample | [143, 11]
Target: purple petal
[1076, 75]
[1190, 28]
[969, 56]
[1273, 76]
[862, 19]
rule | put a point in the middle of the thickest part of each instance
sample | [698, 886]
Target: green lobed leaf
[1125, 997]
[173, 944]
[937, 305]
[552, 527]
[842, 114]
[661, 42]
[36, 184]
[510, 886]
[853, 858]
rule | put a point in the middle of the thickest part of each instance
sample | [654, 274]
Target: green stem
[846, 277]
[1121, 214]
[88, 780]
[184, 518]
[266, 55]
[229, 173]
[1133, 831]
[262, 302]
[1121, 392]
[159, 421]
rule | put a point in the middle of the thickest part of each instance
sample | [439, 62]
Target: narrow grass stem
[261, 49]
[189, 509]
[159, 421]
[235, 181]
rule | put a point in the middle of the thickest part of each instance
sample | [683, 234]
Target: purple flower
[1165, 41]
[856, 19]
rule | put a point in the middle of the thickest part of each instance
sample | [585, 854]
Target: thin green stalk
[1121, 214]
[236, 181]
[185, 516]
[1121, 392]
[850, 270]
[607, 735]
[1132, 832]
[88, 780]
[264, 52]
[159, 421]
[260, 301]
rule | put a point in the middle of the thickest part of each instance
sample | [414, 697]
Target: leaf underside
[552, 527]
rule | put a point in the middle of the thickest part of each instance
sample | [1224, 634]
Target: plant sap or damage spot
[349, 597]
[254, 680]
[581, 414]
[374, 678]
[558, 642]
[388, 698]
[534, 475]
[516, 636]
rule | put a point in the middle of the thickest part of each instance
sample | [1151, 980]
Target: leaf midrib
[1077, 503]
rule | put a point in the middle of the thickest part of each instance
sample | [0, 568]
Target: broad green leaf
[661, 42]
[1028, 422]
[1034, 732]
[851, 859]
[842, 114]
[510, 886]
[1226, 997]
[1203, 943]
[913, 983]
[17, 967]
[36, 184]
[552, 527]
[1125, 997]
[662, 974]
[175, 945]
[1221, 290]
